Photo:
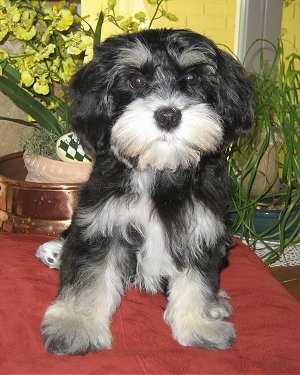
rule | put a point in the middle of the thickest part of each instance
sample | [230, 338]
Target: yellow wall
[213, 18]
[291, 26]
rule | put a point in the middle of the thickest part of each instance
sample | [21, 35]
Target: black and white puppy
[155, 109]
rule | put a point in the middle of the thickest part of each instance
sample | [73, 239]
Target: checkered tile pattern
[72, 150]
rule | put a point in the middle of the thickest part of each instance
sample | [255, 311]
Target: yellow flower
[9, 17]
[55, 64]
[24, 29]
[68, 70]
[77, 43]
[3, 30]
[45, 52]
[61, 19]
[2, 14]
[41, 86]
[28, 62]
[52, 105]
[41, 68]
[47, 34]
[169, 16]
[129, 25]
[3, 54]
[26, 78]
[64, 20]
[141, 16]
[13, 14]
[23, 34]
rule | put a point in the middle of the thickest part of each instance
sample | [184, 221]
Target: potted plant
[265, 167]
[42, 45]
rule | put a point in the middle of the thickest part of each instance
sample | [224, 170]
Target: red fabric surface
[266, 317]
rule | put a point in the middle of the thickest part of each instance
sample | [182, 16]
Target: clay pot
[41, 169]
[31, 207]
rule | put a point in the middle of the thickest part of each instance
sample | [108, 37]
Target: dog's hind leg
[196, 314]
[79, 319]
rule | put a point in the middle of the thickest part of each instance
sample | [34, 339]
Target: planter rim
[275, 211]
[28, 184]
[267, 210]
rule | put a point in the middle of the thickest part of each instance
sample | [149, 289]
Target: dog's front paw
[214, 334]
[67, 332]
[50, 253]
[219, 308]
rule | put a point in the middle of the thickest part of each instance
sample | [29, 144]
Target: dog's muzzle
[167, 118]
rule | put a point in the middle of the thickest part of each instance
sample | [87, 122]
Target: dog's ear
[235, 102]
[87, 95]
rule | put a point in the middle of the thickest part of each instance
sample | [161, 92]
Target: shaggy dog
[155, 109]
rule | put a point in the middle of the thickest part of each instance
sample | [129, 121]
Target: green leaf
[12, 73]
[98, 30]
[30, 106]
[18, 121]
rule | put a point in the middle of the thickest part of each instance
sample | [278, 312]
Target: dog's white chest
[154, 260]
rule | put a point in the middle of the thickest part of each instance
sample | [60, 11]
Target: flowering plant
[43, 44]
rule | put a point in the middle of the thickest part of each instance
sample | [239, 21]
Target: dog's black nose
[167, 117]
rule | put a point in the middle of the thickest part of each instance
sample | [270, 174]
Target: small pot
[31, 207]
[42, 169]
[267, 222]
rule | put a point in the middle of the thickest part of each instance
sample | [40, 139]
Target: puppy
[155, 109]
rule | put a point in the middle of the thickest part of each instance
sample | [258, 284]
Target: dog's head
[160, 98]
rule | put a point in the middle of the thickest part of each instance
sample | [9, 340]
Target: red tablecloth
[266, 317]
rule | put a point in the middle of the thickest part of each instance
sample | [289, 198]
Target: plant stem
[155, 13]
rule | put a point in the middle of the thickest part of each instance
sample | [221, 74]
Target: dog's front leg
[79, 319]
[196, 313]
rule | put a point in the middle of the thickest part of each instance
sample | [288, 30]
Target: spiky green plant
[277, 124]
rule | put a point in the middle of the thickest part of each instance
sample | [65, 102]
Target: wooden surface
[289, 277]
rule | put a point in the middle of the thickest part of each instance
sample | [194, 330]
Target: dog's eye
[137, 81]
[191, 78]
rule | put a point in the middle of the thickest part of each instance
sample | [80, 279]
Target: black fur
[100, 94]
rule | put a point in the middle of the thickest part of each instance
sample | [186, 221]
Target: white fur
[50, 253]
[83, 320]
[196, 318]
[203, 226]
[199, 131]
[136, 56]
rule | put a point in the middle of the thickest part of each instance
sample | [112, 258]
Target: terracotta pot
[41, 169]
[31, 207]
